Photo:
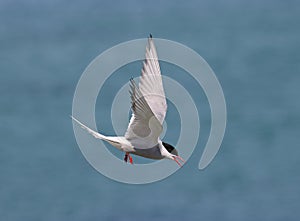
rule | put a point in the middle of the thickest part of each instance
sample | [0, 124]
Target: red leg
[130, 159]
[127, 155]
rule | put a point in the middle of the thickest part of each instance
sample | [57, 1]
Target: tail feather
[119, 142]
[92, 132]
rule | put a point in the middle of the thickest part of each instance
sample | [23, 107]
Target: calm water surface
[254, 49]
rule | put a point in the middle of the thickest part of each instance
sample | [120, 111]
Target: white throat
[164, 151]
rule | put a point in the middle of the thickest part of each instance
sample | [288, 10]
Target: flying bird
[149, 108]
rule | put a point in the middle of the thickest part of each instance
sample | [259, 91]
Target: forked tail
[94, 133]
[119, 142]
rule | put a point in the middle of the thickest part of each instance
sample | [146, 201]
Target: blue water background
[254, 49]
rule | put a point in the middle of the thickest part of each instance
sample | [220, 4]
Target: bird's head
[173, 153]
[170, 148]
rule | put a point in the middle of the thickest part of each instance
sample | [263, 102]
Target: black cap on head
[170, 148]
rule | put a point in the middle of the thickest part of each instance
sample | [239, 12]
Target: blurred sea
[254, 49]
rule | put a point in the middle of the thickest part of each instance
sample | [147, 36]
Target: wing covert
[144, 127]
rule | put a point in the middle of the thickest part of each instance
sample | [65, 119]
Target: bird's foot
[127, 155]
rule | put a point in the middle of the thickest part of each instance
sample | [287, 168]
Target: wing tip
[73, 118]
[132, 82]
[150, 35]
[132, 87]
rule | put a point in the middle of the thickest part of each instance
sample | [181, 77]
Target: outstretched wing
[151, 84]
[144, 128]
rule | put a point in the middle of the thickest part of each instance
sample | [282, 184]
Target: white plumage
[149, 108]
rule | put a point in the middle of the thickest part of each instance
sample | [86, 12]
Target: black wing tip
[132, 83]
[150, 35]
[132, 80]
